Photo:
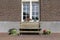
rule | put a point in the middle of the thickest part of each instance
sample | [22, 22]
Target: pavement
[53, 36]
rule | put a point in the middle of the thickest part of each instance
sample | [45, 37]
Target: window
[26, 11]
[35, 11]
[30, 11]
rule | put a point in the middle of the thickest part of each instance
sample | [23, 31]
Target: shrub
[12, 31]
[46, 32]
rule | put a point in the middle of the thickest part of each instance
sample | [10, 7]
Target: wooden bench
[29, 28]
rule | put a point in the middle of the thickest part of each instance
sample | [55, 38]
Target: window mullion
[26, 13]
[22, 12]
[30, 9]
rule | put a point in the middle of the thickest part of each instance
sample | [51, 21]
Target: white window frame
[30, 10]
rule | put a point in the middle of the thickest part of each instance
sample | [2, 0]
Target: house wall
[10, 10]
[54, 26]
[10, 15]
[50, 10]
[6, 25]
[50, 15]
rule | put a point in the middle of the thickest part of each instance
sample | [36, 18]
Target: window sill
[32, 21]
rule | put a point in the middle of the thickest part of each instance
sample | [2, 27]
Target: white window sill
[34, 21]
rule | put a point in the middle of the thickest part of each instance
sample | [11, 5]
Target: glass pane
[33, 17]
[24, 13]
[26, 7]
[26, 10]
[36, 18]
[24, 17]
[35, 11]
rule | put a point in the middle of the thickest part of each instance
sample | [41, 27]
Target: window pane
[26, 7]
[33, 17]
[35, 10]
[37, 13]
[33, 13]
[24, 17]
[36, 18]
[26, 10]
[24, 13]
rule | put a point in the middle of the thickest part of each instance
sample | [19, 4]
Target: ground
[55, 36]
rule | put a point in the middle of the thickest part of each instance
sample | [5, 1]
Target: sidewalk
[55, 36]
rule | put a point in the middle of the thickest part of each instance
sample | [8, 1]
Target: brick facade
[10, 10]
[50, 10]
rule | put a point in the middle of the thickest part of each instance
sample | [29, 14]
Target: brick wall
[50, 10]
[10, 10]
